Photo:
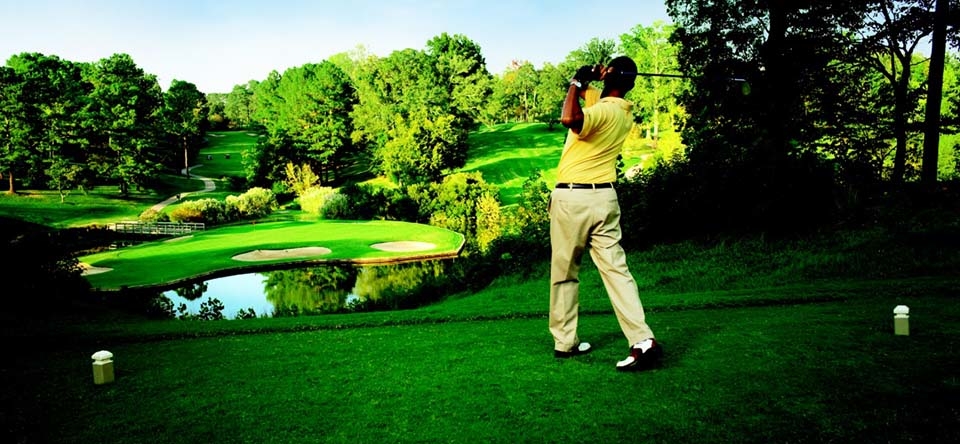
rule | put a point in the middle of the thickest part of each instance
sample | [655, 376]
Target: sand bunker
[288, 253]
[404, 246]
[88, 269]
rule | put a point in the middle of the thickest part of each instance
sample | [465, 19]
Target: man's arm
[571, 116]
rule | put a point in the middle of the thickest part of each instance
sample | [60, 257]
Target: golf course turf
[239, 249]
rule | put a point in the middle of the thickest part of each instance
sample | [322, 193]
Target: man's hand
[589, 73]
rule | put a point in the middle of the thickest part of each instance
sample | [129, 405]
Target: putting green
[267, 246]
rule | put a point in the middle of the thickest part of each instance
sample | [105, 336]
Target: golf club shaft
[676, 76]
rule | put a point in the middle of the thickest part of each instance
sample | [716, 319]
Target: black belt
[584, 186]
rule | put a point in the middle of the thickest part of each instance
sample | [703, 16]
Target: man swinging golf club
[585, 213]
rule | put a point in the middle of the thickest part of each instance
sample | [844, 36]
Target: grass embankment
[766, 342]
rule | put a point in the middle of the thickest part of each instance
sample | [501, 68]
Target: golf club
[744, 88]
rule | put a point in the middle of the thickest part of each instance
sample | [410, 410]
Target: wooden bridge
[158, 228]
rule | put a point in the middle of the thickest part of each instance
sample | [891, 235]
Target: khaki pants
[584, 219]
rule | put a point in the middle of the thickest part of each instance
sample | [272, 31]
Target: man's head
[621, 74]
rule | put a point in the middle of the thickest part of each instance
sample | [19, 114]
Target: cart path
[208, 186]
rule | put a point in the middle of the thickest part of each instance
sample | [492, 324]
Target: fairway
[221, 157]
[264, 246]
[509, 154]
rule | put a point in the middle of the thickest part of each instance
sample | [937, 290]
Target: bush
[526, 238]
[255, 203]
[151, 215]
[690, 198]
[235, 183]
[335, 206]
[366, 202]
[313, 199]
[208, 211]
[454, 204]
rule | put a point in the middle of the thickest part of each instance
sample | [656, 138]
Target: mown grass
[766, 342]
[806, 356]
[211, 252]
[225, 151]
[508, 154]
[99, 206]
[104, 205]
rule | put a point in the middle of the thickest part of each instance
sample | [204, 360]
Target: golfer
[585, 213]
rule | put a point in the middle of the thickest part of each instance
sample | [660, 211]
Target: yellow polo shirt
[591, 156]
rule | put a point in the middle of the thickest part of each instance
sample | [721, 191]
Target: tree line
[407, 115]
[842, 108]
[763, 93]
[69, 125]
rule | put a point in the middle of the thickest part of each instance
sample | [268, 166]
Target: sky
[219, 44]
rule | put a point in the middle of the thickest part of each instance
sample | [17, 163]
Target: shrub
[235, 183]
[255, 203]
[313, 199]
[526, 238]
[490, 222]
[301, 179]
[335, 206]
[367, 202]
[453, 204]
[208, 211]
[745, 195]
[151, 215]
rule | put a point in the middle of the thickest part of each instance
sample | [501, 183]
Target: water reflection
[313, 290]
[237, 293]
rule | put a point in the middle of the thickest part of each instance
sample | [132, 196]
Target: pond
[312, 290]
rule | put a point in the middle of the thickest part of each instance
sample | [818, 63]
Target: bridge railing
[160, 228]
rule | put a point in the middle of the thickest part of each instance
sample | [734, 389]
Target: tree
[125, 110]
[265, 103]
[317, 100]
[238, 106]
[14, 131]
[651, 49]
[417, 108]
[352, 62]
[764, 148]
[949, 163]
[263, 164]
[46, 125]
[596, 51]
[890, 39]
[520, 82]
[931, 139]
[455, 203]
[64, 175]
[217, 117]
[185, 113]
[549, 93]
[496, 110]
[462, 68]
